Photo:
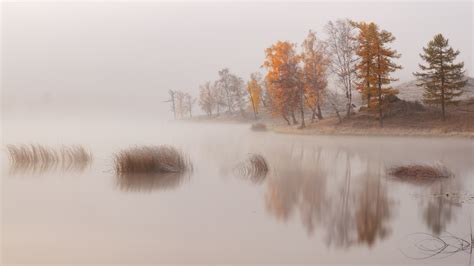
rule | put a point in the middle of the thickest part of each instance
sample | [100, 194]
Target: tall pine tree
[441, 78]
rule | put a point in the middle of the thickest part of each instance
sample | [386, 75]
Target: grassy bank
[425, 122]
[404, 119]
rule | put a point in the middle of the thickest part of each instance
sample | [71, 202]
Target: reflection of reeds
[148, 182]
[151, 160]
[38, 158]
[258, 127]
[420, 172]
[255, 168]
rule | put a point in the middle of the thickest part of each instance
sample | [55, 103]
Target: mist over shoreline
[122, 58]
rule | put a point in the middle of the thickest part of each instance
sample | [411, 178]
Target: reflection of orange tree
[352, 214]
[301, 186]
[373, 208]
[360, 209]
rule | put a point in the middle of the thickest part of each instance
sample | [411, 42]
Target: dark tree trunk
[302, 118]
[443, 104]
[380, 108]
[442, 92]
[302, 107]
[286, 119]
[349, 98]
[313, 116]
[253, 106]
[293, 117]
[380, 101]
[319, 113]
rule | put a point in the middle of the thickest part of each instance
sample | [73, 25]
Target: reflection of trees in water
[150, 182]
[438, 209]
[295, 184]
[373, 208]
[340, 231]
[357, 211]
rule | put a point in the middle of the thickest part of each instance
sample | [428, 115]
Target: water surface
[325, 199]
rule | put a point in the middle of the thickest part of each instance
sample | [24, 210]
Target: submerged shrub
[39, 158]
[151, 159]
[258, 127]
[420, 172]
[255, 168]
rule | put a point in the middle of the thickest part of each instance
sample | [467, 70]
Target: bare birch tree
[207, 98]
[342, 47]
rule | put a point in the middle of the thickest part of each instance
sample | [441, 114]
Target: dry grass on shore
[151, 160]
[404, 118]
[426, 122]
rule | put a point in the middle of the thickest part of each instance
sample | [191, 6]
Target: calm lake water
[326, 200]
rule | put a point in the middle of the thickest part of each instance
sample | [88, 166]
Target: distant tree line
[356, 55]
[181, 104]
[226, 94]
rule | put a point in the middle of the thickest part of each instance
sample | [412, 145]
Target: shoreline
[327, 129]
[374, 132]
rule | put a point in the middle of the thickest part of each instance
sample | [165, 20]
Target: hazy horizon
[121, 58]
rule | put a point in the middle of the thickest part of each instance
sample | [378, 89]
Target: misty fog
[119, 59]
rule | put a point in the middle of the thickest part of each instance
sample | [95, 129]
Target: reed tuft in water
[40, 158]
[151, 160]
[420, 172]
[255, 168]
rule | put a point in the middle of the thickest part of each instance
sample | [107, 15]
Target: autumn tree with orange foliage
[376, 65]
[254, 90]
[284, 80]
[365, 69]
[316, 62]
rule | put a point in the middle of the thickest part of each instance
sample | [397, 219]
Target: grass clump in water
[151, 160]
[39, 158]
[420, 172]
[255, 168]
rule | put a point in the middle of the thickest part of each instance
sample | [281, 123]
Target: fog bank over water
[120, 59]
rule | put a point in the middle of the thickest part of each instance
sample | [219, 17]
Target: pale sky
[125, 56]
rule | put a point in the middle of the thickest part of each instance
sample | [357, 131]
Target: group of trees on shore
[356, 55]
[181, 103]
[226, 94]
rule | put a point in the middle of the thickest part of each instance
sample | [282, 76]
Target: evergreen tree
[441, 78]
